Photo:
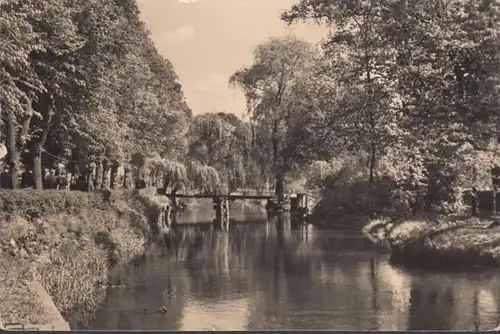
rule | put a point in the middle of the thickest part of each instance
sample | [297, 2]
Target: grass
[67, 241]
[453, 241]
[19, 303]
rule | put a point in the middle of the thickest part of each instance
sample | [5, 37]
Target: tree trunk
[105, 174]
[37, 166]
[37, 151]
[114, 175]
[91, 169]
[494, 204]
[12, 151]
[98, 175]
[154, 178]
[373, 162]
[474, 199]
[280, 188]
[166, 182]
[275, 142]
[126, 177]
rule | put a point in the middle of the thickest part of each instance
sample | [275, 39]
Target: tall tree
[278, 65]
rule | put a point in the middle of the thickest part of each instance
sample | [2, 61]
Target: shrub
[32, 204]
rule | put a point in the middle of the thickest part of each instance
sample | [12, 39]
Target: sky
[208, 40]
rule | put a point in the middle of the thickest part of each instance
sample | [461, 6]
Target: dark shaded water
[270, 275]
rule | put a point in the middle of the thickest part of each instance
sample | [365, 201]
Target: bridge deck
[161, 191]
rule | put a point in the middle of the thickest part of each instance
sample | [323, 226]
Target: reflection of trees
[475, 309]
[431, 307]
[415, 307]
[280, 275]
[374, 285]
[146, 287]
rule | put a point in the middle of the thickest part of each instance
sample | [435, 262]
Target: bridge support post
[167, 219]
[225, 214]
[271, 207]
[299, 207]
[218, 211]
[164, 220]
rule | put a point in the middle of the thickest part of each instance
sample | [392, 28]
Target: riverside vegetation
[396, 110]
[68, 241]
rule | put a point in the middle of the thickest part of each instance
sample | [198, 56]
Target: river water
[272, 275]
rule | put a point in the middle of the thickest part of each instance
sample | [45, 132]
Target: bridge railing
[238, 192]
[253, 192]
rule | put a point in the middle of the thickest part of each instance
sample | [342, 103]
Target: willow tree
[267, 84]
[221, 140]
[208, 179]
[175, 175]
[209, 137]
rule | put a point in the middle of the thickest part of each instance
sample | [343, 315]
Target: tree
[278, 66]
[415, 67]
[83, 81]
[175, 175]
[25, 39]
[221, 140]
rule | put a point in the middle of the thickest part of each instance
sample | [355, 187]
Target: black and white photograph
[250, 165]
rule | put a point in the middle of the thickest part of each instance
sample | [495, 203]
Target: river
[271, 275]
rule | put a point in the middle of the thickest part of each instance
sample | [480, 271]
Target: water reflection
[279, 275]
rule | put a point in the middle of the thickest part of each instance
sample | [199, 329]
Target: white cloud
[212, 82]
[181, 34]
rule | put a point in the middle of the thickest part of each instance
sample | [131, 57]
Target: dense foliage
[396, 110]
[413, 101]
[83, 81]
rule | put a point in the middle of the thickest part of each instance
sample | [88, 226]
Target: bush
[355, 198]
[32, 204]
[405, 182]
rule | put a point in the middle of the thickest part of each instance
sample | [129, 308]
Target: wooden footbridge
[294, 203]
[242, 195]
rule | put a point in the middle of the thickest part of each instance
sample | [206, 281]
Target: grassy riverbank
[446, 242]
[67, 241]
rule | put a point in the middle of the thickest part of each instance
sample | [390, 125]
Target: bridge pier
[274, 206]
[295, 204]
[271, 207]
[299, 207]
[221, 207]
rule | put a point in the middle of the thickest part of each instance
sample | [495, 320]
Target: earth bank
[68, 241]
[445, 242]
